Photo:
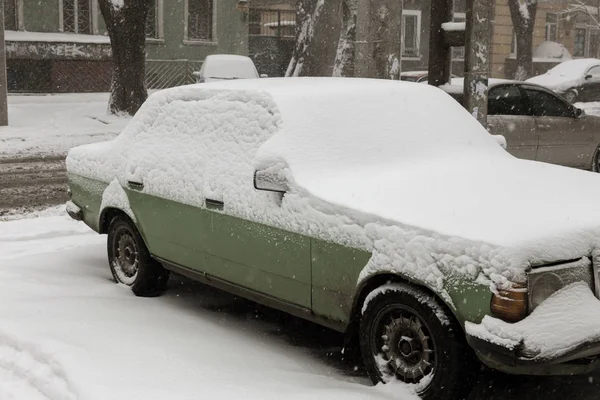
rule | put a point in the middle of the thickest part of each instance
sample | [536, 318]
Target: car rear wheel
[406, 334]
[596, 161]
[571, 96]
[130, 261]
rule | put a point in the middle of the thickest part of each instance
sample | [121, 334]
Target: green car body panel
[309, 273]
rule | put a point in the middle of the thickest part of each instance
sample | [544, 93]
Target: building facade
[63, 46]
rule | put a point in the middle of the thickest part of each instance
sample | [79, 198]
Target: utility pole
[3, 82]
[477, 58]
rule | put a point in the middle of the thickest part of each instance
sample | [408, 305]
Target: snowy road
[69, 333]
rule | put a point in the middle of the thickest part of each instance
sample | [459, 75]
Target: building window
[77, 16]
[551, 27]
[152, 21]
[411, 33]
[458, 53]
[10, 15]
[580, 42]
[200, 20]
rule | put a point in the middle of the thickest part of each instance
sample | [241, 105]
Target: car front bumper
[560, 337]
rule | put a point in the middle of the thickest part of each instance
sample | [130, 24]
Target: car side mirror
[588, 77]
[264, 75]
[501, 140]
[579, 113]
[270, 181]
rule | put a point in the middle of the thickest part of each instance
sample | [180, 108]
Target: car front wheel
[406, 334]
[130, 261]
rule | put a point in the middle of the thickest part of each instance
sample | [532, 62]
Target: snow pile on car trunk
[565, 322]
[368, 167]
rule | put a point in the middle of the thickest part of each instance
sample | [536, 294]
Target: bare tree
[126, 25]
[523, 14]
[307, 15]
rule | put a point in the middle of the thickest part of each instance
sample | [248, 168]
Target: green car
[376, 208]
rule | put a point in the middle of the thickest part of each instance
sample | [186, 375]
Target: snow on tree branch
[308, 12]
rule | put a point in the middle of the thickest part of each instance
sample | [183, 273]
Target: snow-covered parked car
[576, 80]
[219, 67]
[418, 235]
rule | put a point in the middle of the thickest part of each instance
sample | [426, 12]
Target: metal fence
[69, 76]
[162, 74]
[266, 22]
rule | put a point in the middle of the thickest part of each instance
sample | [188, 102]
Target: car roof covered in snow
[228, 66]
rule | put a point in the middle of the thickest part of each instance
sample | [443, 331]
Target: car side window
[544, 104]
[594, 72]
[507, 100]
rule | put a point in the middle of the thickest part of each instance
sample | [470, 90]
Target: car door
[564, 138]
[208, 224]
[590, 90]
[242, 247]
[509, 115]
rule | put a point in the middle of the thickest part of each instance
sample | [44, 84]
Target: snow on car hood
[368, 167]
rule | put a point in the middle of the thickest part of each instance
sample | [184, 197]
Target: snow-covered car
[219, 67]
[576, 80]
[539, 125]
[416, 235]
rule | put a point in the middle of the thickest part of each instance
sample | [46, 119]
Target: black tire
[131, 263]
[571, 96]
[596, 161]
[407, 334]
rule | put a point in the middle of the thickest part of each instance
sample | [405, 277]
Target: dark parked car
[576, 80]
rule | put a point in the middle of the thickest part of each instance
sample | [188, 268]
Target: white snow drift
[69, 333]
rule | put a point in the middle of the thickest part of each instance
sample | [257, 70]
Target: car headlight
[542, 282]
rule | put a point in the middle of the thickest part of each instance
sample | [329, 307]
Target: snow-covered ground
[592, 108]
[69, 333]
[48, 125]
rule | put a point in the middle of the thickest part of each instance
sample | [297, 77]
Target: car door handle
[545, 127]
[214, 204]
[135, 185]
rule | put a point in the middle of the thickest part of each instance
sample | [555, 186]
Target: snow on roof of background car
[551, 51]
[228, 66]
[566, 74]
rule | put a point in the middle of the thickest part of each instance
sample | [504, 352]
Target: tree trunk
[523, 14]
[307, 15]
[344, 58]
[126, 27]
[386, 38]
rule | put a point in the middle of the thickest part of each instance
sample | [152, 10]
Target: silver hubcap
[404, 345]
[126, 254]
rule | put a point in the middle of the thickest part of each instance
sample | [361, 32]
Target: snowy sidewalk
[69, 333]
[49, 125]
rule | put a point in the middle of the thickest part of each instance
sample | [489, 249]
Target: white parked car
[220, 67]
